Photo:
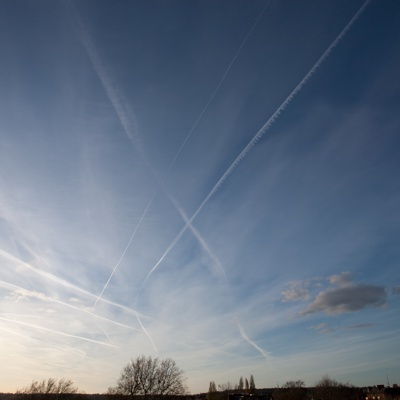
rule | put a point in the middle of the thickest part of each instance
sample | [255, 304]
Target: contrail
[127, 119]
[259, 135]
[55, 332]
[220, 272]
[95, 58]
[41, 296]
[62, 282]
[218, 86]
[248, 340]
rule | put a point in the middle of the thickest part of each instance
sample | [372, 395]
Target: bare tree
[330, 389]
[150, 376]
[291, 390]
[241, 384]
[51, 386]
[224, 387]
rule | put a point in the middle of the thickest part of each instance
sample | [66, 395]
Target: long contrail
[42, 328]
[43, 297]
[97, 63]
[260, 134]
[126, 118]
[50, 277]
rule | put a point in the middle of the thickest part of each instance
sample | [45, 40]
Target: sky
[215, 182]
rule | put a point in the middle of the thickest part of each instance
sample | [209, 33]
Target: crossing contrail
[106, 84]
[52, 278]
[259, 135]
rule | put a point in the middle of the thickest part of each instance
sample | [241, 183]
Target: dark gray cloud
[347, 299]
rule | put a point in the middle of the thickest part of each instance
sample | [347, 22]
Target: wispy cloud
[55, 332]
[251, 342]
[297, 291]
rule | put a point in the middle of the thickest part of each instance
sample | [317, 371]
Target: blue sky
[211, 181]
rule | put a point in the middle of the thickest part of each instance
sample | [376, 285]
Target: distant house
[380, 392]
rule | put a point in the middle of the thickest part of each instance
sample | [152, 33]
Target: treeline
[325, 389]
[147, 378]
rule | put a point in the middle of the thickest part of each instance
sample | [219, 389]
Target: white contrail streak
[251, 342]
[97, 63]
[42, 328]
[126, 118]
[219, 270]
[41, 296]
[259, 135]
[218, 86]
[50, 277]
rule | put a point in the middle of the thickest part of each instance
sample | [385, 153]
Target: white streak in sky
[50, 277]
[42, 328]
[184, 141]
[220, 270]
[248, 340]
[126, 118]
[219, 84]
[18, 290]
[259, 135]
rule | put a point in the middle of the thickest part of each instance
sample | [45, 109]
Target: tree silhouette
[150, 376]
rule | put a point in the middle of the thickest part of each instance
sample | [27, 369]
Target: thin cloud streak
[42, 328]
[251, 342]
[258, 136]
[128, 122]
[41, 296]
[64, 283]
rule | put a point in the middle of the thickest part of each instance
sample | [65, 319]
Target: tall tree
[252, 385]
[212, 391]
[150, 376]
[241, 384]
[246, 384]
